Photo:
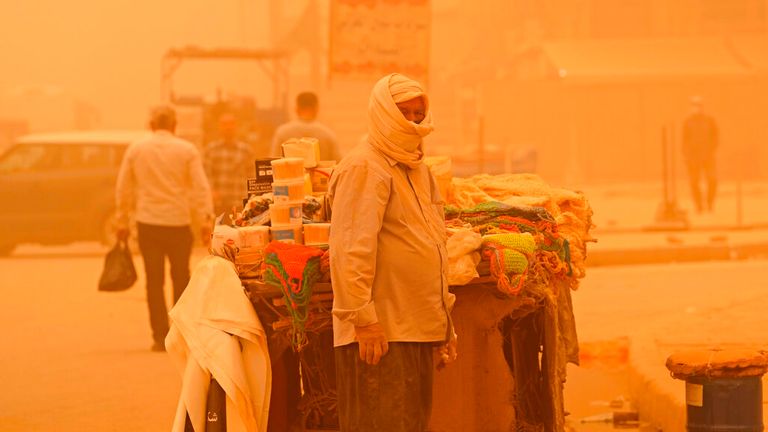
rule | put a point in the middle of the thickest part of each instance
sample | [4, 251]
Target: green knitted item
[294, 269]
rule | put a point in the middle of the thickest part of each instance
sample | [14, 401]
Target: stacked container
[316, 234]
[288, 196]
[250, 259]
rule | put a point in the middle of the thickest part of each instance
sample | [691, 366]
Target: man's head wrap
[388, 130]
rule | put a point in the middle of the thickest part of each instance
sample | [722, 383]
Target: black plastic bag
[118, 274]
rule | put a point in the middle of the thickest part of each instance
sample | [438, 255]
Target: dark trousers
[696, 170]
[392, 396]
[156, 243]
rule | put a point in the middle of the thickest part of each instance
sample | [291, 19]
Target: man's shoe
[158, 347]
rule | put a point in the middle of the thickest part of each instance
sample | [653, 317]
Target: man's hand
[448, 352]
[373, 343]
[122, 234]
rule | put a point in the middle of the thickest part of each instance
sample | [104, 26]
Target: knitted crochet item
[508, 255]
[294, 269]
[524, 243]
[493, 217]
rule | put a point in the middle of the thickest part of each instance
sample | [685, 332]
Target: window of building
[732, 16]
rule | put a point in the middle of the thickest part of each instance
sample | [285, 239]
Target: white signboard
[372, 38]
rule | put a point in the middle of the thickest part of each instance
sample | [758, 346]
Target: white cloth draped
[216, 332]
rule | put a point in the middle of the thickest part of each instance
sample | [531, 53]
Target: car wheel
[108, 237]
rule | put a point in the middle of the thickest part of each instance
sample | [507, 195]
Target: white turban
[388, 129]
[404, 89]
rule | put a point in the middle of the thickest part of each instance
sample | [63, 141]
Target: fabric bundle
[550, 259]
[463, 257]
[481, 200]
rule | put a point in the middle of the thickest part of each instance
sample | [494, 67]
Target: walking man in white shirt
[161, 185]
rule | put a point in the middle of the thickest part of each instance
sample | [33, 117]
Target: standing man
[306, 125]
[228, 163]
[391, 305]
[160, 184]
[700, 140]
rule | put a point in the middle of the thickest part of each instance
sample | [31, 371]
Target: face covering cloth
[388, 130]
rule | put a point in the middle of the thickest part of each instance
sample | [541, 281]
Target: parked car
[58, 188]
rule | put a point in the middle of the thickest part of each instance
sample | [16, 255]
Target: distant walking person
[228, 163]
[160, 184]
[700, 140]
[306, 125]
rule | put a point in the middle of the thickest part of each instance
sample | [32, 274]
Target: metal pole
[664, 167]
[672, 172]
[480, 144]
[739, 198]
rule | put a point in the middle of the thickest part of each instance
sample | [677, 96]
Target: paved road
[74, 359]
[630, 311]
[655, 299]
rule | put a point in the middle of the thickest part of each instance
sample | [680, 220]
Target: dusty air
[384, 215]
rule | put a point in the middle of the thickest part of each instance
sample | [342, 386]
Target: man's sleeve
[202, 200]
[439, 202]
[359, 200]
[125, 189]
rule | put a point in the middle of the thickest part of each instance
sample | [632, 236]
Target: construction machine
[198, 115]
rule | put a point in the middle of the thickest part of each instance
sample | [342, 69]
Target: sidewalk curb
[659, 398]
[674, 253]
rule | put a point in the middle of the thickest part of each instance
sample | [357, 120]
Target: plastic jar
[287, 169]
[317, 234]
[288, 190]
[287, 234]
[286, 213]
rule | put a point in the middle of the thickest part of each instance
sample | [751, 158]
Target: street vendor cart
[513, 314]
[501, 339]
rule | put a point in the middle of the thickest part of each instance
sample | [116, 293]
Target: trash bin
[723, 388]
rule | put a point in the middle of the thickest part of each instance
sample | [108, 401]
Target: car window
[100, 156]
[29, 158]
[77, 157]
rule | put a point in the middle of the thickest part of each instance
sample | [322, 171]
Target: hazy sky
[107, 53]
